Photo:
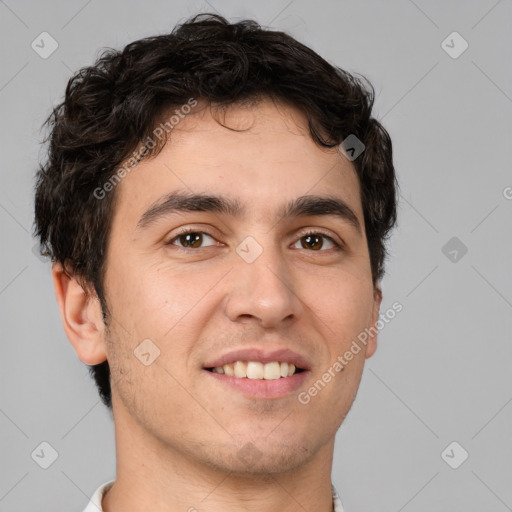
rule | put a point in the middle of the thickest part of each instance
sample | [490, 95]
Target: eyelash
[337, 246]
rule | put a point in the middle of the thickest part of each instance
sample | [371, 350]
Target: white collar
[95, 502]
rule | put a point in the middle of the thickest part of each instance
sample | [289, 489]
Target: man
[216, 202]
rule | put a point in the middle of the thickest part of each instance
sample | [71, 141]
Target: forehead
[260, 155]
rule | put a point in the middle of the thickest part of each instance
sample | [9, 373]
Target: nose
[262, 290]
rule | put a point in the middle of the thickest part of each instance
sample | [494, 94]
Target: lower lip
[261, 388]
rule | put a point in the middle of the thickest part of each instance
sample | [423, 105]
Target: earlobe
[81, 317]
[371, 345]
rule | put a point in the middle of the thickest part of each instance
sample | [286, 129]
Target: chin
[254, 457]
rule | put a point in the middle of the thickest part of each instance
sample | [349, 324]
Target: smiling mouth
[257, 370]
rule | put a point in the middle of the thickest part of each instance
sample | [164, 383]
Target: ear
[371, 345]
[81, 317]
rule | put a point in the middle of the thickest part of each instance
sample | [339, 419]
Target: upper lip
[282, 355]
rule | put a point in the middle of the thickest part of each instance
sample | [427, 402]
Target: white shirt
[95, 503]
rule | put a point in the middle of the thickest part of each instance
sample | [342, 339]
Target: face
[262, 277]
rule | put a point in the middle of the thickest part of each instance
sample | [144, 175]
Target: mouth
[256, 373]
[257, 370]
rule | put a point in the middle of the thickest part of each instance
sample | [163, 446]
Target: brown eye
[312, 242]
[190, 239]
[315, 241]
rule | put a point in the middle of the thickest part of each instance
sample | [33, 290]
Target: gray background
[442, 371]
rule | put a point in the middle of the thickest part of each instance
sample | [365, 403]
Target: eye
[190, 239]
[193, 239]
[314, 240]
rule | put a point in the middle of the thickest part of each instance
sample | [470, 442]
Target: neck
[150, 472]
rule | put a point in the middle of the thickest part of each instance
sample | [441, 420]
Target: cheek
[344, 305]
[166, 304]
[151, 299]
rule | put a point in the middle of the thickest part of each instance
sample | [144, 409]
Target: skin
[178, 431]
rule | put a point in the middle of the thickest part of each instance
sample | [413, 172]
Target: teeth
[257, 370]
[272, 371]
[240, 369]
[254, 370]
[228, 370]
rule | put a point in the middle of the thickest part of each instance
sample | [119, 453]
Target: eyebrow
[308, 205]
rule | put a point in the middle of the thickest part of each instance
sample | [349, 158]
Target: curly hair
[111, 107]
